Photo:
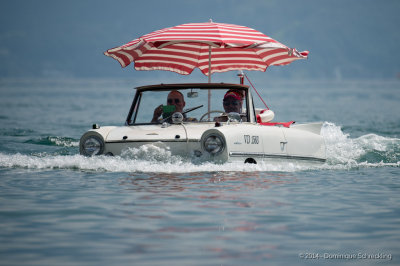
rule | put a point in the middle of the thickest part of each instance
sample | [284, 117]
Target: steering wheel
[214, 111]
[185, 112]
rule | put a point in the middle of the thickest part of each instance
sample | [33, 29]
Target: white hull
[244, 141]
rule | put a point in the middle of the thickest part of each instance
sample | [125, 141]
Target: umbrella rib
[210, 43]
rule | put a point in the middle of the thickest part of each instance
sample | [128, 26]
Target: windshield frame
[135, 106]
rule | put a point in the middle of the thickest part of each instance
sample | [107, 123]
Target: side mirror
[234, 117]
[177, 118]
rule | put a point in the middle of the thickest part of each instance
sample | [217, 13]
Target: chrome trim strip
[239, 154]
[275, 156]
[153, 140]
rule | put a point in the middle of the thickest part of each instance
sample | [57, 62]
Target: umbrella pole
[209, 103]
[209, 80]
[209, 64]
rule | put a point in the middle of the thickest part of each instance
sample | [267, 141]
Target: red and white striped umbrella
[216, 46]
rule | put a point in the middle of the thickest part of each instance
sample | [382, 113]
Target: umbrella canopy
[211, 47]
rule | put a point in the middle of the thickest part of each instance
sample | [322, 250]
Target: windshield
[157, 106]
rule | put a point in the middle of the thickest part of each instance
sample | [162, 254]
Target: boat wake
[369, 150]
[55, 141]
[343, 152]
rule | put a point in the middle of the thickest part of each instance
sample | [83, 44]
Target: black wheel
[250, 160]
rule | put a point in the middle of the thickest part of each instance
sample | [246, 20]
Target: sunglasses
[171, 101]
[233, 103]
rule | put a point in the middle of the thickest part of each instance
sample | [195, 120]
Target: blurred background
[347, 39]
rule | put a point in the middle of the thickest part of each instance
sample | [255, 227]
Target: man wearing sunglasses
[174, 98]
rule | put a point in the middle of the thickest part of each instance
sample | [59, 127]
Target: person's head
[233, 101]
[176, 98]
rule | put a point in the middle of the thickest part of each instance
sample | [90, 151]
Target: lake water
[59, 208]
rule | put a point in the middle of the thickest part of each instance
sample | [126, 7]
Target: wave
[16, 132]
[343, 152]
[55, 141]
[370, 149]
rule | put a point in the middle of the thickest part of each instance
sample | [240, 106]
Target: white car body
[241, 140]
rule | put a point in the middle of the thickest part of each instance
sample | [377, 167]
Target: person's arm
[157, 113]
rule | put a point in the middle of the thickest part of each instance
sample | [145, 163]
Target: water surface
[150, 208]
